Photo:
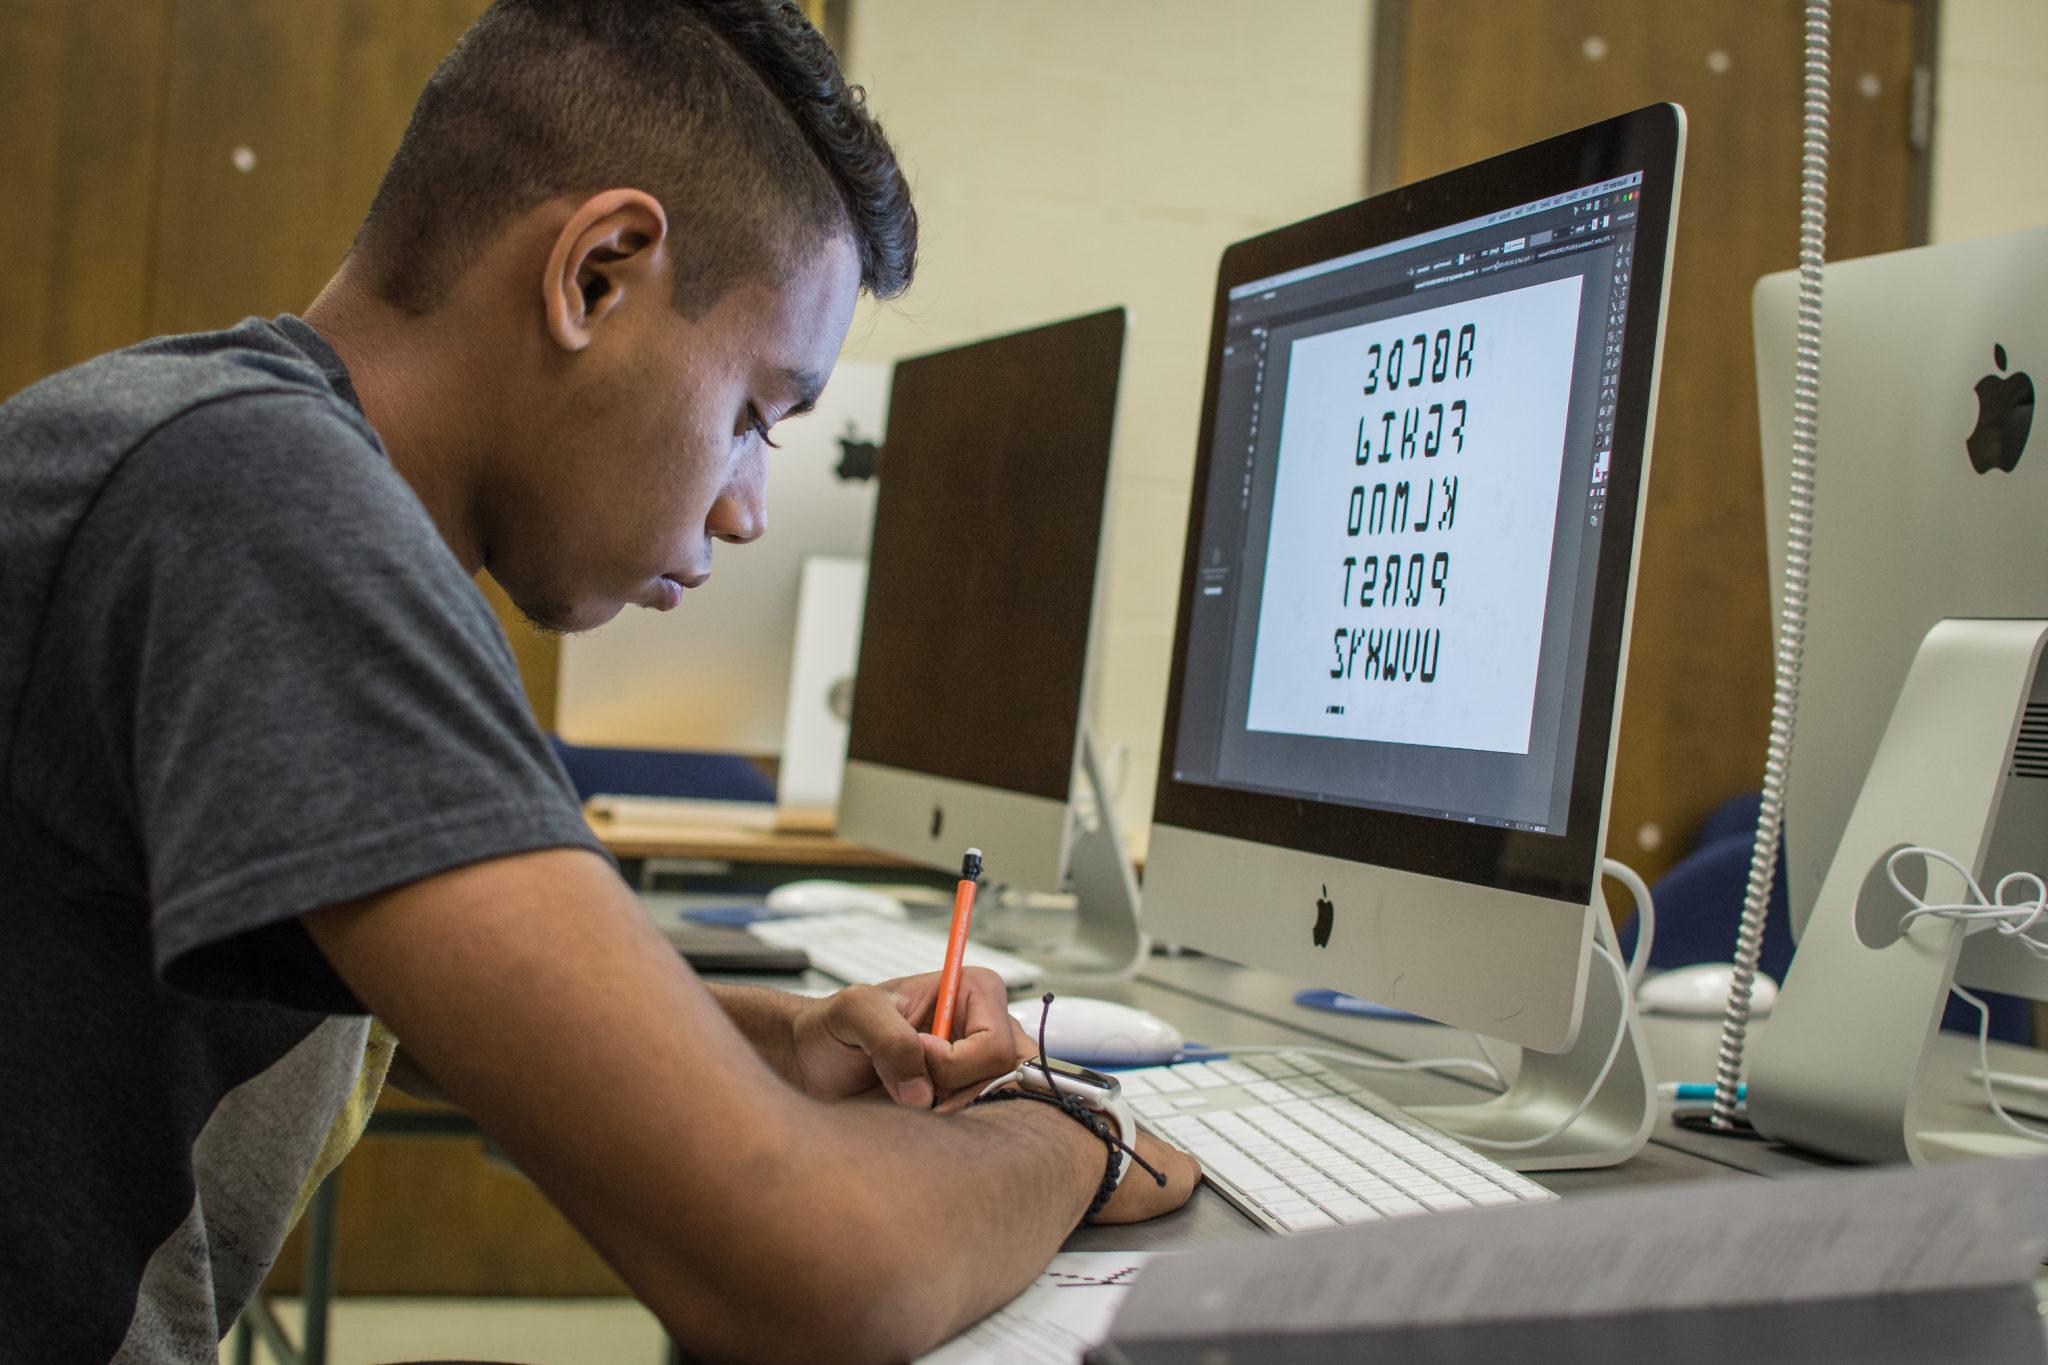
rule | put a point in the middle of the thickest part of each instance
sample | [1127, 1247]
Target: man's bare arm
[754, 1221]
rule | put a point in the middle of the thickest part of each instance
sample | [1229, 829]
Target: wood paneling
[437, 1216]
[80, 129]
[127, 216]
[1477, 77]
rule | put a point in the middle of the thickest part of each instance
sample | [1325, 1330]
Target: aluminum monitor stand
[1549, 1085]
[1844, 1064]
[1106, 944]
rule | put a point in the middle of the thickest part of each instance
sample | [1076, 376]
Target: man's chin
[553, 618]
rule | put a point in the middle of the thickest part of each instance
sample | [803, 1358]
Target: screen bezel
[1553, 866]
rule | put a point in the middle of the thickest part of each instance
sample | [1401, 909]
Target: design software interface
[1403, 517]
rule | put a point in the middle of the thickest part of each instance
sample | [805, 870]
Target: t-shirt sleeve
[316, 702]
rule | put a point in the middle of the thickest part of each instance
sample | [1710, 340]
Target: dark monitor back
[982, 572]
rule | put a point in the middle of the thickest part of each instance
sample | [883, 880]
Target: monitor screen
[982, 576]
[1403, 601]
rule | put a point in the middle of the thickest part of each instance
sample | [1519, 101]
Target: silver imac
[1406, 587]
[714, 674]
[1923, 714]
[971, 696]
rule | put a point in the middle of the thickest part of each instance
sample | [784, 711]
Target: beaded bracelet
[1088, 1119]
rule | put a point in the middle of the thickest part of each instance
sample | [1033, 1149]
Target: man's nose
[740, 515]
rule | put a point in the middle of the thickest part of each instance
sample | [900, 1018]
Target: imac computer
[714, 674]
[1404, 611]
[1923, 716]
[971, 695]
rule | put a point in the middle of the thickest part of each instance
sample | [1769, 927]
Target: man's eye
[760, 428]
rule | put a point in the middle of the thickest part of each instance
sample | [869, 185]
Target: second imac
[1404, 612]
[971, 696]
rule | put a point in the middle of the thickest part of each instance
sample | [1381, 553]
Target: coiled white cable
[1976, 914]
[1813, 216]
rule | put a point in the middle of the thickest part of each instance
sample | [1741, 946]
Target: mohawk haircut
[732, 113]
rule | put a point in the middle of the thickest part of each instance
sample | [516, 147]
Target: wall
[1991, 118]
[1068, 155]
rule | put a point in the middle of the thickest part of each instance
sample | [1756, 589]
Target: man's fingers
[867, 1018]
[984, 1004]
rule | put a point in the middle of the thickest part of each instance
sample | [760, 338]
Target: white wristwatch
[1093, 1089]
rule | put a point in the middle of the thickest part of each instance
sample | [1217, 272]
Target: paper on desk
[1699, 1245]
[1064, 1312]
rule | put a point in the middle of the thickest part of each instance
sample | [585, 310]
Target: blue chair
[654, 772]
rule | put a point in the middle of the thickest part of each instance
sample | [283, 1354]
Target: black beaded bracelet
[1088, 1119]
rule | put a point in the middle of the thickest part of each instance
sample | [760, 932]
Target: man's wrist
[766, 1019]
[1091, 1158]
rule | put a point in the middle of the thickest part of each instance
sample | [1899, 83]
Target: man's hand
[869, 1038]
[1140, 1196]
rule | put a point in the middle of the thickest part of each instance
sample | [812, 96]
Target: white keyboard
[1299, 1147]
[862, 949]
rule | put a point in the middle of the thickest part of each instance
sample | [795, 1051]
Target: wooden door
[1464, 79]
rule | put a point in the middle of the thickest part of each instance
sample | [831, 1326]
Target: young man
[268, 770]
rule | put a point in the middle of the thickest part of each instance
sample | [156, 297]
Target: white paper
[1064, 1312]
[1409, 559]
[1703, 1244]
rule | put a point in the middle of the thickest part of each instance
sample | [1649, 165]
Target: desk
[732, 844]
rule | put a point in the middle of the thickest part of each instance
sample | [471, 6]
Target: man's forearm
[763, 1017]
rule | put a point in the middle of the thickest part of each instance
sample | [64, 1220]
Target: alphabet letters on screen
[1414, 510]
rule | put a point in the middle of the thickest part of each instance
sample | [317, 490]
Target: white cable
[1357, 1059]
[1586, 1100]
[1646, 917]
[1984, 1061]
[1770, 824]
[1979, 912]
[1639, 960]
[1976, 914]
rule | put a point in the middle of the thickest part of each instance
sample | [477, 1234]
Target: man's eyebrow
[807, 384]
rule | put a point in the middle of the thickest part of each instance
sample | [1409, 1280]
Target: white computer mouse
[818, 896]
[1101, 1032]
[1701, 990]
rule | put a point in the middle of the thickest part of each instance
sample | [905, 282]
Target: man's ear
[610, 246]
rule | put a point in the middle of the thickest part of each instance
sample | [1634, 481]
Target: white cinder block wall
[1071, 154]
[1991, 118]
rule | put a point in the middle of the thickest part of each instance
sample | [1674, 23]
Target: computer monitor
[714, 673]
[1928, 354]
[1922, 714]
[1406, 585]
[977, 644]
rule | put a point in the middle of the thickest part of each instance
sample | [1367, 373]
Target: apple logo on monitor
[2005, 414]
[1326, 918]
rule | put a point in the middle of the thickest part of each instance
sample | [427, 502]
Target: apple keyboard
[862, 949]
[1299, 1147]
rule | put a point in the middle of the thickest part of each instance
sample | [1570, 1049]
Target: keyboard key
[1445, 1202]
[1307, 1222]
[1237, 1168]
[1399, 1206]
[1351, 1211]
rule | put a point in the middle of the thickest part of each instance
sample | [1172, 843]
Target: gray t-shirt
[241, 677]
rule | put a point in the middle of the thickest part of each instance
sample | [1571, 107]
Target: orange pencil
[956, 946]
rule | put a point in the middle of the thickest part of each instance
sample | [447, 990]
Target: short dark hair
[732, 113]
